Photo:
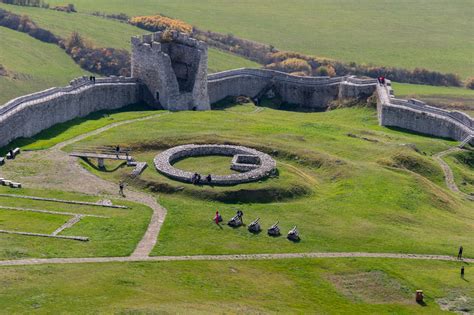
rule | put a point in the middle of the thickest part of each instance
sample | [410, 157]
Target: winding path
[448, 173]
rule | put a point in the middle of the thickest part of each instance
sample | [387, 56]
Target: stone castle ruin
[169, 70]
[173, 67]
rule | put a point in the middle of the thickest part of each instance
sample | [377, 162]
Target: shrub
[156, 23]
[26, 25]
[470, 83]
[325, 71]
[69, 8]
[105, 61]
[3, 71]
[27, 3]
[291, 65]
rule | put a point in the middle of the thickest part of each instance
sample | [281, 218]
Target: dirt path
[25, 262]
[55, 169]
[448, 173]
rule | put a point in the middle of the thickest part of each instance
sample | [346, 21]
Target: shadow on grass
[411, 132]
[105, 170]
[60, 128]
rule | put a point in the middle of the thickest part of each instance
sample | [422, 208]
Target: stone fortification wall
[417, 116]
[312, 92]
[28, 115]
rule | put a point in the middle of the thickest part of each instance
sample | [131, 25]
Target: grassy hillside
[329, 286]
[369, 191]
[34, 65]
[404, 33]
[108, 33]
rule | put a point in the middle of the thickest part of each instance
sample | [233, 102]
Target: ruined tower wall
[173, 67]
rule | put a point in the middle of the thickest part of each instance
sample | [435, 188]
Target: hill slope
[405, 33]
[33, 65]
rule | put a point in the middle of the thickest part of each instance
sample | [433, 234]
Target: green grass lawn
[343, 193]
[329, 286]
[35, 65]
[219, 165]
[116, 235]
[20, 221]
[389, 33]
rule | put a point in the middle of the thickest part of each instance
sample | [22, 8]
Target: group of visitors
[92, 79]
[196, 179]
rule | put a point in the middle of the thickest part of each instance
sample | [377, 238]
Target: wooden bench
[101, 157]
[11, 155]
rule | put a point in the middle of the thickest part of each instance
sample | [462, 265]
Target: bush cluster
[155, 23]
[329, 67]
[26, 25]
[470, 83]
[69, 8]
[105, 61]
[3, 71]
[121, 16]
[27, 3]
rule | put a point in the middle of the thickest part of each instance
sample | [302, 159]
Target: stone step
[140, 167]
[466, 141]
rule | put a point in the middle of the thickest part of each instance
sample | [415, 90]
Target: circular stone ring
[253, 164]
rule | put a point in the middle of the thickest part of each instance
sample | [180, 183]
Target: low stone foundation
[163, 163]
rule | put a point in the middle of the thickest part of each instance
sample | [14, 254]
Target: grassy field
[207, 165]
[115, 235]
[389, 33]
[445, 97]
[35, 65]
[344, 193]
[331, 286]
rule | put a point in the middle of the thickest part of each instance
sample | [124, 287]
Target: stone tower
[173, 68]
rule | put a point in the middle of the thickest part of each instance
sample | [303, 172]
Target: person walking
[462, 272]
[217, 218]
[121, 187]
[460, 252]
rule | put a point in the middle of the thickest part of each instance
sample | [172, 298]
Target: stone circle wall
[164, 163]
